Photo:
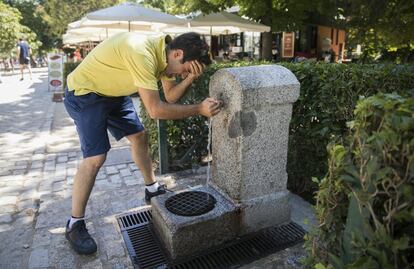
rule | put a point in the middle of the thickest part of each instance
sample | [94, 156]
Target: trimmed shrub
[365, 204]
[67, 69]
[329, 93]
[187, 139]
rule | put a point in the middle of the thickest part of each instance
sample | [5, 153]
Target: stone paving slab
[26, 113]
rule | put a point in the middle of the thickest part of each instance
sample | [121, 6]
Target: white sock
[153, 187]
[73, 220]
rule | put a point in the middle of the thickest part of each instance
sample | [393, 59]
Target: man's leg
[123, 121]
[83, 183]
[76, 231]
[30, 70]
[89, 114]
[141, 156]
[21, 71]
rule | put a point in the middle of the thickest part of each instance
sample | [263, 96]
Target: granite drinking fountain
[247, 191]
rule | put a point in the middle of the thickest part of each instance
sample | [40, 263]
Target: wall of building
[337, 41]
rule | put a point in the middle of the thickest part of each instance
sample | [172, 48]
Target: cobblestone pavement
[25, 119]
[38, 159]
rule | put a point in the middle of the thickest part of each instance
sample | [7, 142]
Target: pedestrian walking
[97, 98]
[23, 52]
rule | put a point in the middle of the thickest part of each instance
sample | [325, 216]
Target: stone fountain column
[250, 141]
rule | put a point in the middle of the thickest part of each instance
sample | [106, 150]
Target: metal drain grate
[146, 252]
[190, 203]
[129, 220]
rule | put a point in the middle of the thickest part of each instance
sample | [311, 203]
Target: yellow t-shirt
[120, 65]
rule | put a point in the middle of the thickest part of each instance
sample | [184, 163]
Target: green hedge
[67, 69]
[365, 204]
[187, 138]
[328, 95]
[327, 99]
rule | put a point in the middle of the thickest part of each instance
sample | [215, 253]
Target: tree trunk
[266, 51]
[267, 46]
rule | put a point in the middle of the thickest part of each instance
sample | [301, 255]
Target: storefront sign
[55, 64]
[288, 44]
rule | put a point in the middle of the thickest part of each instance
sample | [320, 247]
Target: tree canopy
[33, 16]
[375, 24]
[11, 30]
[49, 18]
[381, 25]
[58, 13]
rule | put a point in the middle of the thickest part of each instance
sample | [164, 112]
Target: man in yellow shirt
[97, 98]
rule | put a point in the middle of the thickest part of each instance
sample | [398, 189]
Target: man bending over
[97, 99]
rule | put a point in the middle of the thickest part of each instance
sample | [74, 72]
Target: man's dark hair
[193, 46]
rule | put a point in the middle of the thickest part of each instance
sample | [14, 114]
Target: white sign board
[55, 66]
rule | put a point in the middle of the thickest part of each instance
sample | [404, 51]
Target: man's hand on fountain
[210, 107]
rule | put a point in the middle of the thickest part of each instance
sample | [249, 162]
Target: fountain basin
[188, 235]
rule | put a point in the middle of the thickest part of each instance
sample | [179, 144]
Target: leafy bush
[365, 204]
[67, 69]
[187, 139]
[328, 95]
[327, 99]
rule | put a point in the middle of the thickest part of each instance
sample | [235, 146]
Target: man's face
[175, 66]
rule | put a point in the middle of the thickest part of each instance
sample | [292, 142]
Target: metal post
[162, 146]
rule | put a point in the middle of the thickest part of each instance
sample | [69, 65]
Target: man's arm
[18, 52]
[173, 92]
[158, 109]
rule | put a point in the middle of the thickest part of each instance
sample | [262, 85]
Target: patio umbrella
[219, 23]
[70, 38]
[226, 23]
[80, 35]
[130, 16]
[102, 31]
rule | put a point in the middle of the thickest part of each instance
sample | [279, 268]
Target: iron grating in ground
[146, 251]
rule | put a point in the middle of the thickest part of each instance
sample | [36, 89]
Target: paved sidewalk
[39, 157]
[25, 119]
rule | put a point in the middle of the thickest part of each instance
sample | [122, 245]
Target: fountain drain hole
[190, 203]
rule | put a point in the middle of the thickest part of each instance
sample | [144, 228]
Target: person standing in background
[77, 56]
[23, 52]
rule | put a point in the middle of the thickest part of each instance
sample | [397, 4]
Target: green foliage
[365, 204]
[58, 14]
[11, 30]
[380, 25]
[33, 15]
[191, 133]
[67, 69]
[280, 15]
[329, 93]
[185, 6]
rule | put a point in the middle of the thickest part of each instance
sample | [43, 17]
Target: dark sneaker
[161, 190]
[80, 239]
